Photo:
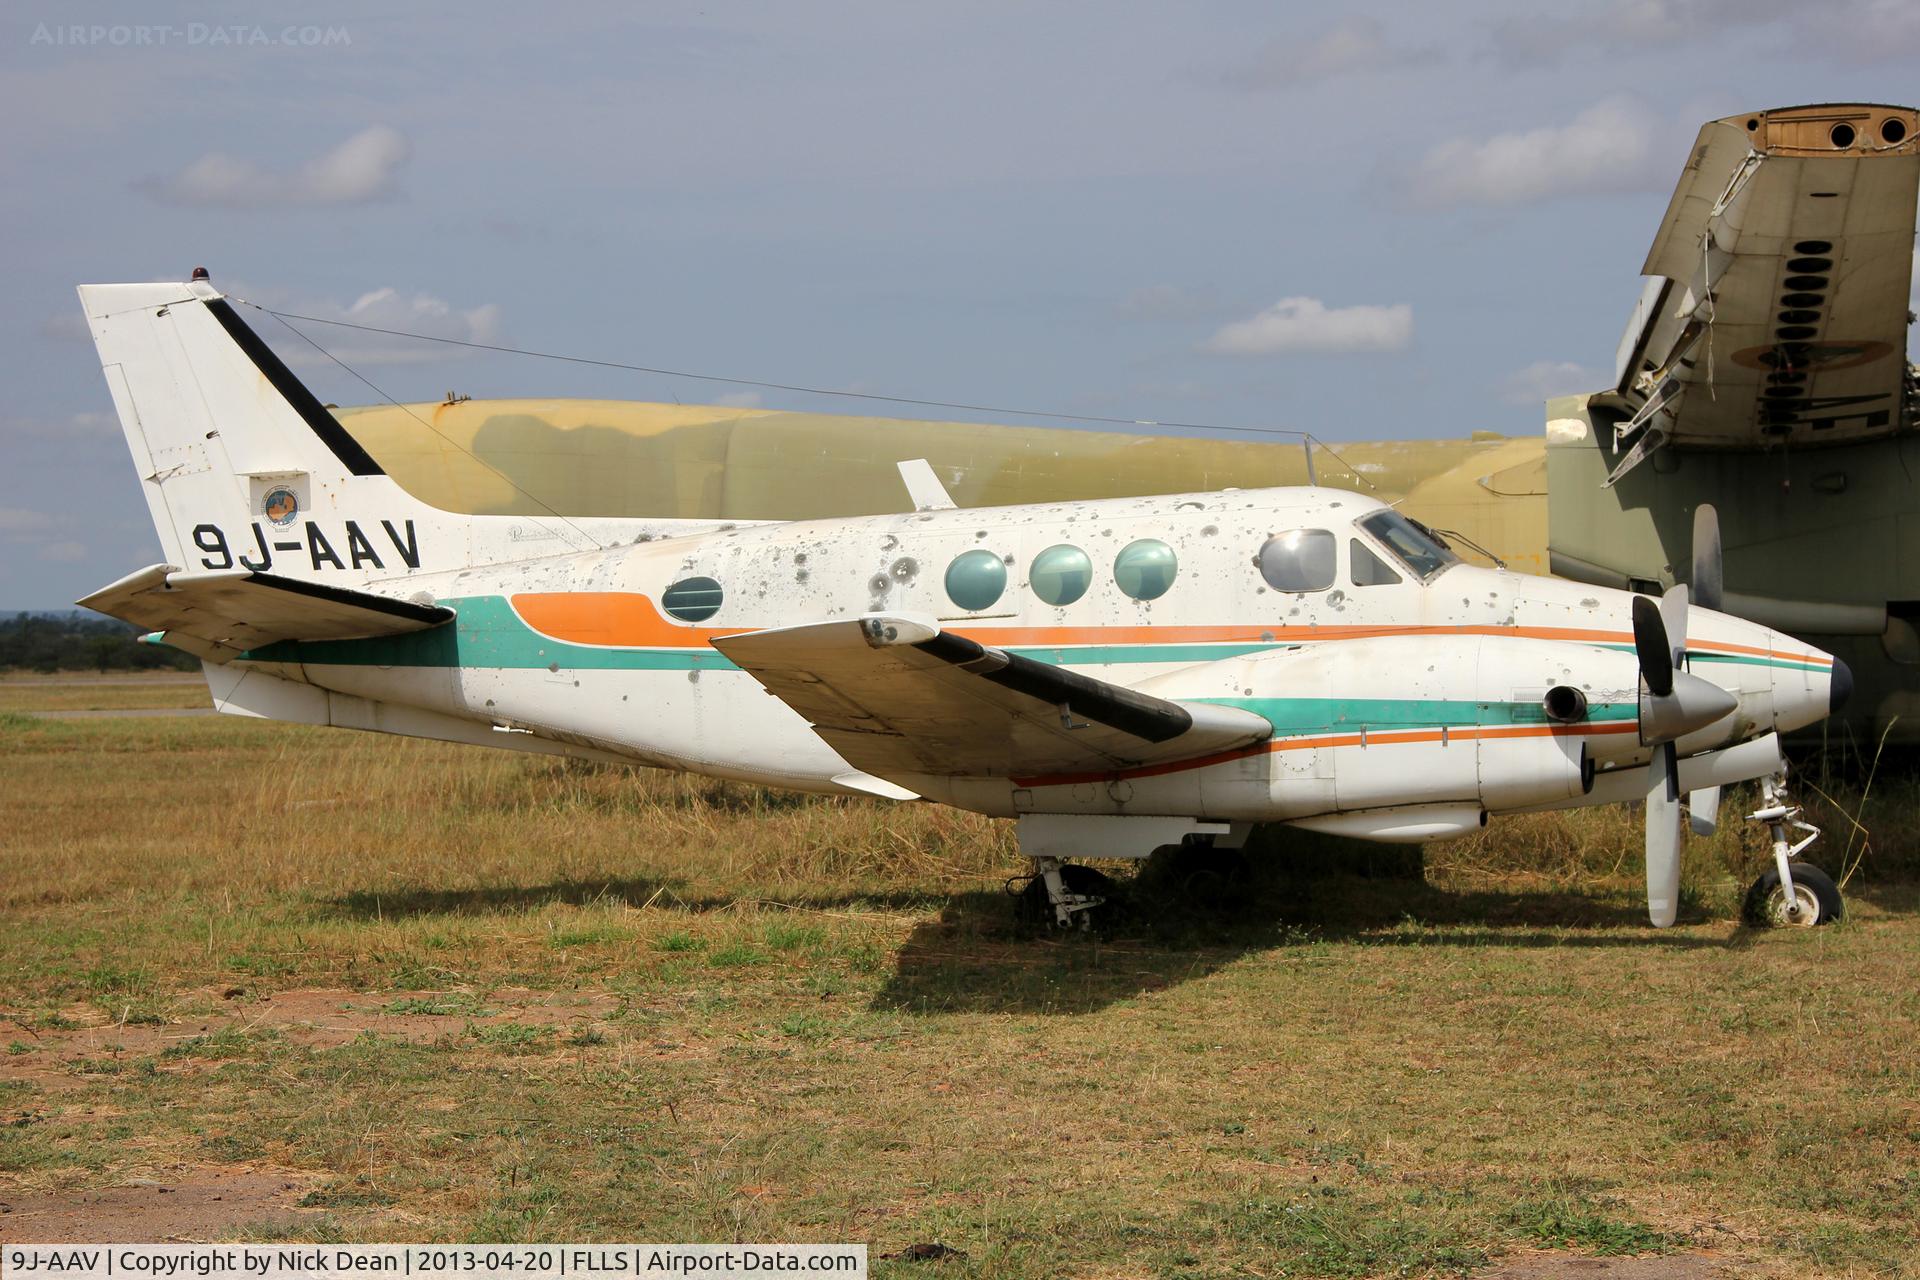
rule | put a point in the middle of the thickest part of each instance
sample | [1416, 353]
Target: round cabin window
[1144, 569]
[692, 599]
[975, 579]
[1061, 574]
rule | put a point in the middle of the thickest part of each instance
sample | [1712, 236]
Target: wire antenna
[285, 317]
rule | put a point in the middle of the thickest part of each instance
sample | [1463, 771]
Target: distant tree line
[82, 642]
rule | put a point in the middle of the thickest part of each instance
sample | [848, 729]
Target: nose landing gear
[1063, 895]
[1792, 893]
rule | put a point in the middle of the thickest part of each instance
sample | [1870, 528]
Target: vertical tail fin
[242, 466]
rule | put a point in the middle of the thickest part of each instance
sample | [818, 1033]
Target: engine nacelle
[1533, 769]
[1410, 734]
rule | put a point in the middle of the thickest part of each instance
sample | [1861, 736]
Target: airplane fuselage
[1395, 678]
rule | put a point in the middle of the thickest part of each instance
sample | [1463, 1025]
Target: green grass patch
[589, 934]
[735, 955]
[793, 935]
[357, 1194]
[1584, 1224]
[449, 1004]
[228, 1042]
[1324, 1231]
[510, 1035]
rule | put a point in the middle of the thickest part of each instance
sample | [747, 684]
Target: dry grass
[614, 1004]
[118, 691]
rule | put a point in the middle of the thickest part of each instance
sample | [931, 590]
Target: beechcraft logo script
[339, 545]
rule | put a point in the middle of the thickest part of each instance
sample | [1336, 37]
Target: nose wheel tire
[1817, 899]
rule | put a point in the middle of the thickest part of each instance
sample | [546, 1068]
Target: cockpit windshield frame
[1409, 542]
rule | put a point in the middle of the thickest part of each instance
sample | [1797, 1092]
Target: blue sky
[1376, 222]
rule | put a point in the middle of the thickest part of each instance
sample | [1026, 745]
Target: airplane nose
[1841, 687]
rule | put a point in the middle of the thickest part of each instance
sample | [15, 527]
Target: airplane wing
[221, 614]
[897, 696]
[1776, 308]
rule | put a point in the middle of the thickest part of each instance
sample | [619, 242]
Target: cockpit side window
[1367, 569]
[1424, 555]
[1298, 560]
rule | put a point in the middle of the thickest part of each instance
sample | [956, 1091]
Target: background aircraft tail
[244, 468]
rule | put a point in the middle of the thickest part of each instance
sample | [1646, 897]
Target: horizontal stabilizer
[223, 613]
[898, 696]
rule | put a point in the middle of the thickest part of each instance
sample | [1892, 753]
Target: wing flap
[222, 613]
[898, 697]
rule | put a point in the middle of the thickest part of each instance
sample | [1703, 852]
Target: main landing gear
[1790, 892]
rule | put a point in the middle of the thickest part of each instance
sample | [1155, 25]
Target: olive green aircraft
[1763, 372]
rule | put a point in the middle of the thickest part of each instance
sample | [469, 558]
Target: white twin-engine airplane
[1116, 675]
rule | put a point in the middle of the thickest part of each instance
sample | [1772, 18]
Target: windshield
[1410, 543]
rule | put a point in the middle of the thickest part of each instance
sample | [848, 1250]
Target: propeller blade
[1707, 592]
[1663, 836]
[1703, 810]
[1673, 616]
[1650, 642]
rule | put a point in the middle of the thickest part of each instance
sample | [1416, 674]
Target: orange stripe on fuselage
[1383, 738]
[629, 620]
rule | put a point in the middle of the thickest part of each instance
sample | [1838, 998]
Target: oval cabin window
[1060, 575]
[1298, 560]
[975, 579]
[692, 599]
[1144, 569]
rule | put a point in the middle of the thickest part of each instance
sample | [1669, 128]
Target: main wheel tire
[1035, 910]
[1819, 896]
[1212, 878]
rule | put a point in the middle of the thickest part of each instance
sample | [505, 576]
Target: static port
[1892, 130]
[1842, 135]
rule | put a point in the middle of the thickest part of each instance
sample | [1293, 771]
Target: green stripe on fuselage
[1312, 715]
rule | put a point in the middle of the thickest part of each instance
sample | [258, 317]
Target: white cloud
[65, 551]
[1544, 379]
[382, 308]
[1611, 146]
[1351, 46]
[1307, 324]
[75, 426]
[66, 326]
[1846, 32]
[363, 168]
[41, 534]
[18, 520]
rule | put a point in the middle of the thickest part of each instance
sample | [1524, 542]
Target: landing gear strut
[1063, 895]
[1789, 893]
